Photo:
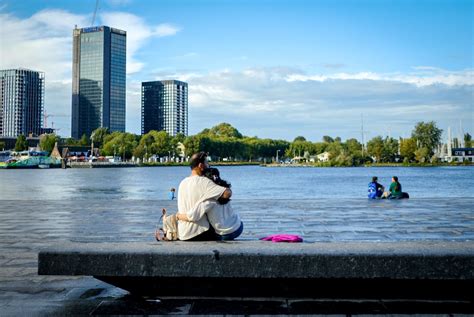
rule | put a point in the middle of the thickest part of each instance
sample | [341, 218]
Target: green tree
[98, 136]
[70, 142]
[47, 142]
[390, 149]
[354, 149]
[427, 135]
[467, 140]
[300, 138]
[224, 130]
[327, 139]
[2, 145]
[407, 149]
[422, 155]
[334, 149]
[120, 143]
[84, 141]
[21, 143]
[375, 147]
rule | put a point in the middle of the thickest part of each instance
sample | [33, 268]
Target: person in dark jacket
[375, 189]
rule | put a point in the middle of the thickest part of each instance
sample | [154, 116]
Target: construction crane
[95, 12]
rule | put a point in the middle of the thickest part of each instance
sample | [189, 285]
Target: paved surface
[26, 227]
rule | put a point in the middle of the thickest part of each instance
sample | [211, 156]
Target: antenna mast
[95, 12]
[362, 132]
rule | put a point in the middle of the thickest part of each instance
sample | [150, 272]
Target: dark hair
[197, 158]
[397, 186]
[374, 179]
[213, 174]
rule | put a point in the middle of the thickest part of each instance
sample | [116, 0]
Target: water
[248, 182]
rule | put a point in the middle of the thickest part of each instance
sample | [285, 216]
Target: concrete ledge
[261, 267]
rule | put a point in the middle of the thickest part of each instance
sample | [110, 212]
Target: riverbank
[325, 164]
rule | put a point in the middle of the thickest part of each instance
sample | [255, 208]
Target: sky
[273, 69]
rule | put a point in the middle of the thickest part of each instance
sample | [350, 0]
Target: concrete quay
[432, 270]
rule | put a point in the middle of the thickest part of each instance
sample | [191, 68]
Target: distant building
[98, 80]
[459, 155]
[165, 106]
[21, 102]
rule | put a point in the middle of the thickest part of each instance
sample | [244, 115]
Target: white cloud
[138, 33]
[424, 77]
[284, 102]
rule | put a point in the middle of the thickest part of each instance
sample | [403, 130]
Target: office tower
[165, 106]
[21, 102]
[98, 80]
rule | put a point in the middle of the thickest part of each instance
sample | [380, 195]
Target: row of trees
[225, 141]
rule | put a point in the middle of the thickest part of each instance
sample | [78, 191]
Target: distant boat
[28, 159]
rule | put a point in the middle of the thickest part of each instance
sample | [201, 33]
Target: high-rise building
[21, 102]
[98, 80]
[165, 106]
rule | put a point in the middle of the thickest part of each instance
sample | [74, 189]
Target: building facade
[21, 102]
[165, 106]
[98, 80]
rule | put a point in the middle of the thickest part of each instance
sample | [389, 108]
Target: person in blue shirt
[171, 194]
[375, 189]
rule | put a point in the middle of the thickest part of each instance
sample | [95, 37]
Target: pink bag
[283, 238]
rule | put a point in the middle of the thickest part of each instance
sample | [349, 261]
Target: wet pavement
[26, 227]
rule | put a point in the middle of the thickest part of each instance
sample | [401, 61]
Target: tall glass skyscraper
[21, 102]
[98, 80]
[165, 106]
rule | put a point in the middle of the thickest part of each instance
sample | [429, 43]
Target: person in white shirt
[194, 190]
[221, 216]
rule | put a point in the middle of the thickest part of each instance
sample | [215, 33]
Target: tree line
[224, 141]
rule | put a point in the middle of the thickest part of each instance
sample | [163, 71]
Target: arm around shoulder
[227, 193]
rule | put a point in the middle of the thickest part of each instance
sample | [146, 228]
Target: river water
[248, 182]
[320, 204]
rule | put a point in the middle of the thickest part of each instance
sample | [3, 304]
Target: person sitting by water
[221, 216]
[375, 189]
[171, 194]
[395, 189]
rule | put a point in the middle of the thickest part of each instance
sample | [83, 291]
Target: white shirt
[193, 190]
[222, 217]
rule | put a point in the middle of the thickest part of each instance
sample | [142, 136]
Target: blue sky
[274, 69]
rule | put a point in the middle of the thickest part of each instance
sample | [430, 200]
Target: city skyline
[297, 68]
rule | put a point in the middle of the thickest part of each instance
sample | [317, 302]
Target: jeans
[232, 235]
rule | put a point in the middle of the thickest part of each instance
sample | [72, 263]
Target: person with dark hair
[395, 190]
[221, 216]
[375, 189]
[193, 190]
[171, 194]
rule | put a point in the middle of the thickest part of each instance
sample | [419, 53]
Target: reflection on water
[249, 182]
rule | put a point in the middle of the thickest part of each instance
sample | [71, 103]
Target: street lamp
[92, 146]
[277, 156]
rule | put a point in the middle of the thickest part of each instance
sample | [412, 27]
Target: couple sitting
[205, 212]
[376, 190]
